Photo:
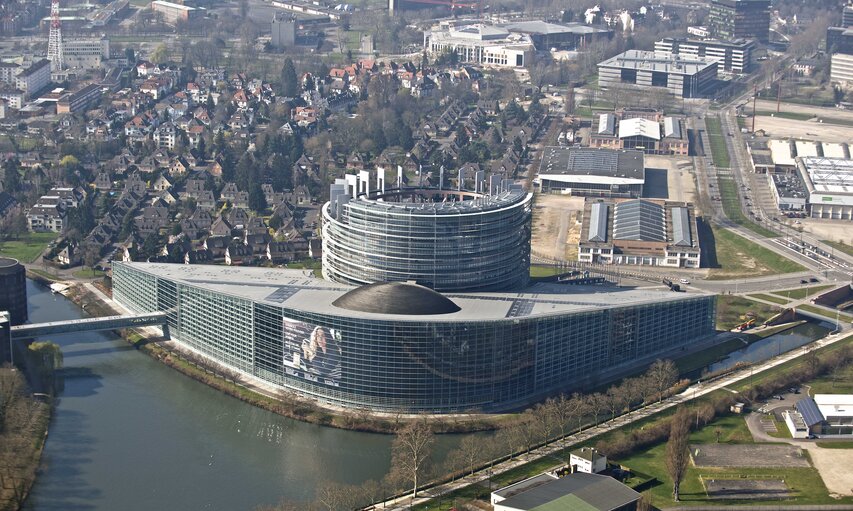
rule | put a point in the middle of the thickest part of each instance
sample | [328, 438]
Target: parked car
[813, 279]
[684, 281]
[778, 397]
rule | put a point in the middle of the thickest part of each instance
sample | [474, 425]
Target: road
[692, 392]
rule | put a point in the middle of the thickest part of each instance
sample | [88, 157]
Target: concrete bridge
[20, 332]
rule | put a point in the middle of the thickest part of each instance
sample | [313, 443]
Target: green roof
[566, 503]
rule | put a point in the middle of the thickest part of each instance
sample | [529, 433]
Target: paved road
[692, 392]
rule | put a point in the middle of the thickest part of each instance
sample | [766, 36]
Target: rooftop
[300, 290]
[576, 491]
[545, 28]
[661, 62]
[830, 175]
[418, 202]
[620, 165]
[790, 186]
[834, 405]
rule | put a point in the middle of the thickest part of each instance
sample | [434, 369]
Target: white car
[684, 281]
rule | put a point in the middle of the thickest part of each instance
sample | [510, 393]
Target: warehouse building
[829, 182]
[645, 130]
[687, 77]
[639, 231]
[592, 172]
[734, 56]
[740, 19]
[175, 13]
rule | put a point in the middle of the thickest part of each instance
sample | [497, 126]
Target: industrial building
[591, 172]
[829, 182]
[401, 347]
[734, 56]
[639, 231]
[841, 69]
[562, 36]
[575, 492]
[740, 19]
[85, 53]
[687, 77]
[825, 415]
[176, 13]
[789, 191]
[478, 43]
[447, 240]
[645, 130]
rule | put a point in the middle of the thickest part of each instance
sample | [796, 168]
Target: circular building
[446, 240]
[13, 289]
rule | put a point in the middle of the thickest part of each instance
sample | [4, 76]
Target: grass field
[796, 116]
[739, 257]
[799, 293]
[544, 270]
[732, 309]
[843, 444]
[844, 247]
[719, 151]
[828, 314]
[731, 206]
[87, 273]
[28, 248]
[768, 298]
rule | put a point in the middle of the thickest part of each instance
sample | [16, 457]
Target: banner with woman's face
[312, 352]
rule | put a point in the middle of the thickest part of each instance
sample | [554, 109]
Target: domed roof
[402, 298]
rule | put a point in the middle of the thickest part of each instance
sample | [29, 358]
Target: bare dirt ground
[770, 106]
[679, 179]
[831, 230]
[556, 226]
[834, 468]
[777, 127]
[747, 455]
[737, 489]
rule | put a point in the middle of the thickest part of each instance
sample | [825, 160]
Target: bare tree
[333, 496]
[663, 375]
[471, 452]
[411, 450]
[595, 403]
[677, 449]
[543, 420]
[561, 410]
[614, 399]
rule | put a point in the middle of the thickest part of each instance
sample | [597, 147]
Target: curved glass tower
[442, 239]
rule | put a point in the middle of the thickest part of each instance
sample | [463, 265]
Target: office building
[644, 232]
[85, 53]
[825, 415]
[733, 56]
[80, 100]
[829, 183]
[740, 19]
[687, 77]
[847, 16]
[175, 13]
[447, 240]
[34, 78]
[591, 172]
[841, 69]
[478, 43]
[401, 347]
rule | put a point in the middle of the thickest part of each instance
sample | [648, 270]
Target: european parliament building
[402, 346]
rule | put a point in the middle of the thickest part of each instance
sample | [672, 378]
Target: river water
[774, 345]
[131, 434]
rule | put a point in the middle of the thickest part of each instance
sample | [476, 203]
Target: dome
[401, 298]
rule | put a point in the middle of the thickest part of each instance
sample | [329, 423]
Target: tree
[470, 452]
[160, 55]
[289, 81]
[411, 452]
[663, 375]
[11, 177]
[91, 255]
[257, 199]
[335, 496]
[678, 450]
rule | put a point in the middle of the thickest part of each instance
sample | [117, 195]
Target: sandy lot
[556, 226]
[834, 468]
[832, 230]
[679, 179]
[770, 106]
[806, 130]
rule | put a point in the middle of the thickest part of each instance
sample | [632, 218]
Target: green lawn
[28, 248]
[768, 298]
[799, 293]
[826, 313]
[719, 151]
[739, 257]
[731, 206]
[837, 245]
[839, 382]
[796, 116]
[544, 270]
[732, 310]
[841, 444]
[87, 273]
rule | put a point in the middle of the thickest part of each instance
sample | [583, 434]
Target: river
[129, 433]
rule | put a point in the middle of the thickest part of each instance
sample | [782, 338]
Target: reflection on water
[129, 433]
[773, 345]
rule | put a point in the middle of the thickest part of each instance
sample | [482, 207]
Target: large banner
[312, 352]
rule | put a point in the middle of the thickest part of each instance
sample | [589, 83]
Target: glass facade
[412, 365]
[481, 244]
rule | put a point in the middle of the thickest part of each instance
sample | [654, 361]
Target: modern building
[587, 460]
[847, 16]
[478, 43]
[839, 40]
[13, 97]
[825, 415]
[175, 13]
[447, 240]
[574, 492]
[34, 78]
[562, 36]
[403, 347]
[85, 53]
[687, 77]
[13, 290]
[80, 100]
[740, 19]
[645, 232]
[591, 172]
[735, 56]
[829, 183]
[283, 29]
[789, 191]
[646, 130]
[841, 69]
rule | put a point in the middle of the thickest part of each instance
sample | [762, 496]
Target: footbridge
[87, 325]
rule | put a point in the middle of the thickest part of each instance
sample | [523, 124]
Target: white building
[684, 76]
[829, 182]
[34, 78]
[588, 460]
[841, 68]
[85, 53]
[13, 97]
[477, 43]
[734, 56]
[165, 136]
[825, 415]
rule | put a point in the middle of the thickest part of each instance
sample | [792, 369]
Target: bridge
[20, 332]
